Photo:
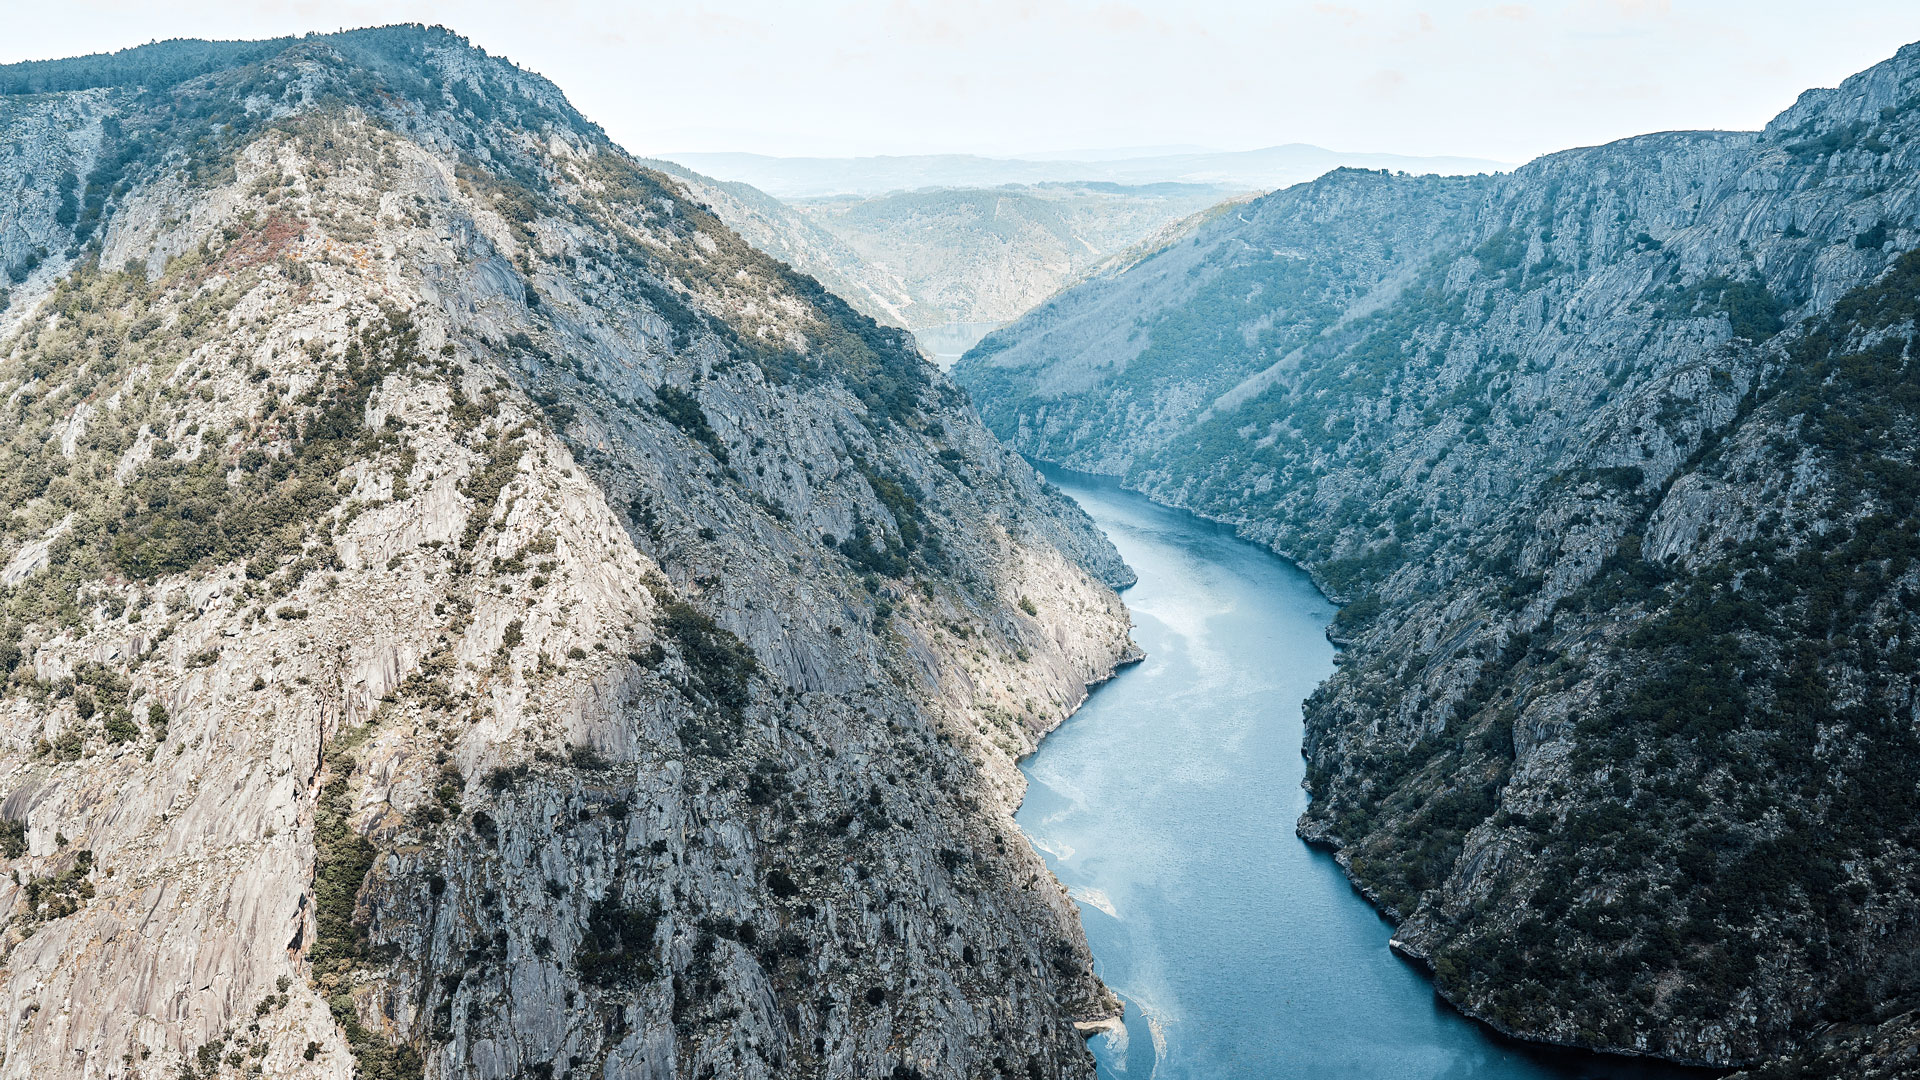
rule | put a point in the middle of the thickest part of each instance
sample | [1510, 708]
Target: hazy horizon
[1082, 154]
[1016, 78]
[1228, 172]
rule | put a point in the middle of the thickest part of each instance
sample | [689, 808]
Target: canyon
[1608, 460]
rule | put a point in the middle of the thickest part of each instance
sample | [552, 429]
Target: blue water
[1167, 806]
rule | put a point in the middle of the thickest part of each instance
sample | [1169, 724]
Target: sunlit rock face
[463, 612]
[1612, 456]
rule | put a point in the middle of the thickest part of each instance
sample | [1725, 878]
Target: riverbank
[1166, 804]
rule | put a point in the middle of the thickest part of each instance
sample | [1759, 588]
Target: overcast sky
[1505, 81]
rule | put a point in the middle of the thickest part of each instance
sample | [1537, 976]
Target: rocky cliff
[1612, 459]
[463, 612]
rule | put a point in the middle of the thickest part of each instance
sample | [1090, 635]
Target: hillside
[949, 264]
[782, 231]
[465, 612]
[1611, 459]
[981, 257]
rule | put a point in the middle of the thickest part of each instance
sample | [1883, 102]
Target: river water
[1167, 806]
[948, 342]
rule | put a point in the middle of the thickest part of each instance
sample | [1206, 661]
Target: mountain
[1612, 461]
[1236, 170]
[465, 612]
[781, 231]
[972, 259]
[948, 264]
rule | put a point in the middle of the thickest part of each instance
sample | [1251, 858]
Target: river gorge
[1167, 807]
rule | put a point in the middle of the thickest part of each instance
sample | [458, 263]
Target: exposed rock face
[466, 613]
[796, 239]
[50, 144]
[1612, 457]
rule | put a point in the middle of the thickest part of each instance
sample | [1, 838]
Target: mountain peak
[431, 65]
[160, 64]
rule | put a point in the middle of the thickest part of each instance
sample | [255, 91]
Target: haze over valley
[1246, 170]
[954, 263]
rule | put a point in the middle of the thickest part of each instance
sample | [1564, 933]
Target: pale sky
[1505, 81]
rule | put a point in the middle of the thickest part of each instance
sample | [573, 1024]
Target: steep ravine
[463, 612]
[1611, 460]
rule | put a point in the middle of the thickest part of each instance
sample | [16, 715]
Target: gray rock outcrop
[466, 613]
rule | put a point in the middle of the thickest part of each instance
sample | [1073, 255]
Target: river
[1167, 806]
[947, 342]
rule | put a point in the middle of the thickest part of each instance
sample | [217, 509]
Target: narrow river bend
[1167, 805]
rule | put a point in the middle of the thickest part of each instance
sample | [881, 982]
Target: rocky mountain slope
[1612, 459]
[796, 239]
[464, 612]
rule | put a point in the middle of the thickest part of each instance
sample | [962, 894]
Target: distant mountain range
[950, 264]
[1248, 170]
[952, 246]
[972, 259]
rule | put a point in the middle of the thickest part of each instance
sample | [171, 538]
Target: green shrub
[683, 411]
[721, 666]
[617, 947]
[13, 838]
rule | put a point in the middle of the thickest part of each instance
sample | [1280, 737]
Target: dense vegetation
[157, 65]
[719, 675]
[342, 860]
[617, 948]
